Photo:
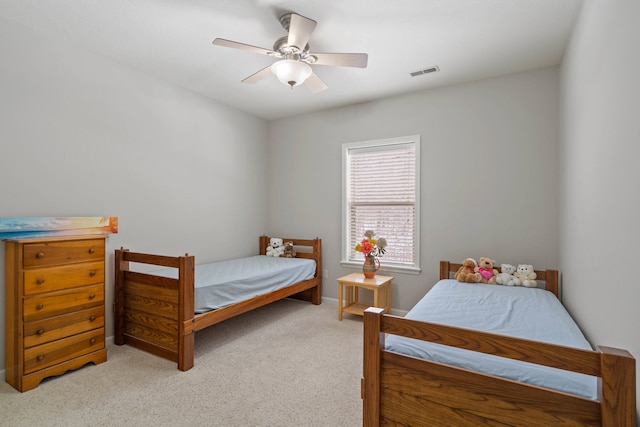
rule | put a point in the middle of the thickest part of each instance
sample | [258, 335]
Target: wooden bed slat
[150, 279]
[152, 336]
[153, 306]
[158, 323]
[493, 398]
[155, 300]
[401, 409]
[555, 356]
[230, 311]
[151, 348]
[159, 260]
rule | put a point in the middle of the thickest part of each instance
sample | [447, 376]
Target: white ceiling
[171, 39]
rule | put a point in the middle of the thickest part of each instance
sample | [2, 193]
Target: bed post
[264, 242]
[444, 270]
[186, 315]
[316, 292]
[551, 282]
[617, 387]
[370, 386]
[118, 304]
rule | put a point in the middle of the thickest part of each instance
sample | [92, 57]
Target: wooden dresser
[55, 310]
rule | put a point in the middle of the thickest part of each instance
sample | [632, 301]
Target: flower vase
[370, 267]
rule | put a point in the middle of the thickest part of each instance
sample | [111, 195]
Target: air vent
[425, 71]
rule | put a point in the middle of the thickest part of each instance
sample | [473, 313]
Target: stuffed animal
[506, 277]
[486, 270]
[276, 247]
[289, 252]
[526, 275]
[466, 273]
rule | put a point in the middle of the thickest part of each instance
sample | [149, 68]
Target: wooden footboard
[404, 390]
[156, 313]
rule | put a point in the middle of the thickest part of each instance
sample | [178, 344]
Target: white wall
[83, 136]
[600, 158]
[489, 173]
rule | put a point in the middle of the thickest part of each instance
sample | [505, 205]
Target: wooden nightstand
[348, 300]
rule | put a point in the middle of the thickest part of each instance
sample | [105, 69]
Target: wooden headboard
[305, 248]
[550, 277]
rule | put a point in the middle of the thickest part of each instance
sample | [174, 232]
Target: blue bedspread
[528, 313]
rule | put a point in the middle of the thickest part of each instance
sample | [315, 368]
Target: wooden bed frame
[404, 390]
[156, 314]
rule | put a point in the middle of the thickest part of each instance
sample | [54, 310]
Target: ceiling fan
[294, 59]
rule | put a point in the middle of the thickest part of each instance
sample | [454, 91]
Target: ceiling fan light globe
[291, 72]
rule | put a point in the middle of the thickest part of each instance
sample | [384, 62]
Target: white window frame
[346, 249]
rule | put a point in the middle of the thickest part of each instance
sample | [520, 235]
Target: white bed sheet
[528, 313]
[223, 283]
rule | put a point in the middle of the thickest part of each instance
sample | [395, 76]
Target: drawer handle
[92, 318]
[92, 296]
[92, 273]
[92, 249]
[40, 280]
[39, 306]
[40, 331]
[92, 341]
[40, 357]
[40, 255]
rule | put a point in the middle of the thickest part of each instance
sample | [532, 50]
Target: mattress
[528, 313]
[224, 283]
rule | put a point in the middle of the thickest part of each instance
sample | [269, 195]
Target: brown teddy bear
[486, 270]
[289, 252]
[467, 273]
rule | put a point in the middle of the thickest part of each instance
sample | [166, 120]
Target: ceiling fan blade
[358, 60]
[242, 46]
[260, 75]
[314, 83]
[300, 29]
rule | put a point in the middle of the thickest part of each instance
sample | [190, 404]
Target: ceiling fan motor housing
[281, 45]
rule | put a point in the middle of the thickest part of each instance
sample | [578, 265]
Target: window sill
[391, 268]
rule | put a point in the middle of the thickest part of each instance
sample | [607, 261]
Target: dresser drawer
[46, 355]
[64, 277]
[66, 325]
[42, 254]
[63, 302]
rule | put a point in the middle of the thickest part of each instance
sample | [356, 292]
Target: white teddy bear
[506, 277]
[276, 247]
[526, 275]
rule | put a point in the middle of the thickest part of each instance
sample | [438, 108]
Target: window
[381, 193]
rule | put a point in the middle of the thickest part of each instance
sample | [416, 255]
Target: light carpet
[287, 364]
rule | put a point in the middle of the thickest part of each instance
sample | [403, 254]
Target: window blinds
[381, 196]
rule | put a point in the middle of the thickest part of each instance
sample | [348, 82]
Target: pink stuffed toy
[486, 270]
